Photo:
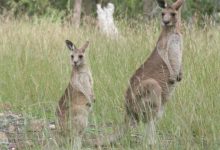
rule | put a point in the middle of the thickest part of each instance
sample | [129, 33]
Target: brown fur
[151, 77]
[152, 83]
[75, 104]
[73, 101]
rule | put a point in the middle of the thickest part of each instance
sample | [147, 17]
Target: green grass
[35, 70]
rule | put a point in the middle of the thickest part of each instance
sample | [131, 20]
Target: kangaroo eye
[173, 14]
[72, 56]
[163, 14]
[80, 56]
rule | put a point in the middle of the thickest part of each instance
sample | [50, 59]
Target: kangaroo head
[77, 54]
[170, 12]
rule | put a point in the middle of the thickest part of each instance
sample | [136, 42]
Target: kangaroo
[153, 82]
[75, 104]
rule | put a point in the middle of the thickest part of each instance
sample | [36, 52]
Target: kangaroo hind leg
[79, 123]
[151, 98]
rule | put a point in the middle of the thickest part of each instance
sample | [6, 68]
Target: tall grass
[35, 69]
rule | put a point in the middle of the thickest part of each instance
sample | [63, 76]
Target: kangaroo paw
[179, 77]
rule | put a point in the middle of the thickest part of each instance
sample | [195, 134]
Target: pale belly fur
[175, 52]
[82, 83]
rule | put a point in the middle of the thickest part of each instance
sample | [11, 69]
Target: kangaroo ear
[83, 48]
[162, 3]
[177, 4]
[70, 45]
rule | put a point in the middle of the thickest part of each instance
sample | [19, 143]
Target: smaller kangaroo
[75, 104]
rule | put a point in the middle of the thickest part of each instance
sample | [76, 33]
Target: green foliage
[124, 9]
[45, 8]
[128, 8]
[60, 4]
[201, 7]
[29, 7]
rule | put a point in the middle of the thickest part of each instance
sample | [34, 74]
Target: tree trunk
[77, 13]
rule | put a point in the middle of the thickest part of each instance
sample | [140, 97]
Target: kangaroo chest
[82, 85]
[170, 50]
[81, 81]
[174, 49]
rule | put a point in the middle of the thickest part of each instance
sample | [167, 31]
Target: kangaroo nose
[166, 22]
[75, 62]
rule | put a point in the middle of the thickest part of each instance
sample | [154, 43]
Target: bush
[124, 9]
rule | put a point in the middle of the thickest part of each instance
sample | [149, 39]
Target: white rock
[106, 20]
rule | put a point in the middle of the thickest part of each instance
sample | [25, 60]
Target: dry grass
[35, 69]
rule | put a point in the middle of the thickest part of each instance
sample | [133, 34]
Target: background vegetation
[35, 69]
[127, 8]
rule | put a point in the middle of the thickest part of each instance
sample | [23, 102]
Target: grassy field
[35, 70]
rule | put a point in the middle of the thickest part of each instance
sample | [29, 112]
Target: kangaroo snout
[166, 22]
[75, 63]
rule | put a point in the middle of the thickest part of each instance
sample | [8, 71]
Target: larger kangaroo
[153, 82]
